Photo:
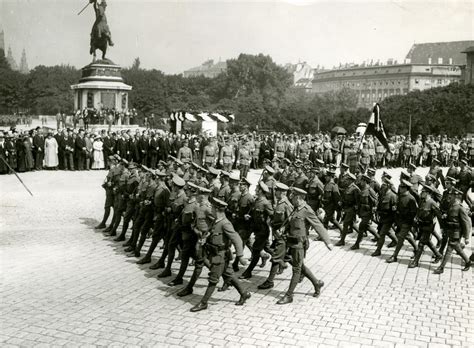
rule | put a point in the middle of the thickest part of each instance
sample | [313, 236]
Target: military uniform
[367, 203]
[315, 190]
[350, 204]
[282, 212]
[160, 202]
[244, 159]
[221, 236]
[297, 242]
[457, 225]
[386, 209]
[427, 212]
[147, 208]
[173, 236]
[407, 209]
[227, 157]
[330, 200]
[209, 155]
[262, 210]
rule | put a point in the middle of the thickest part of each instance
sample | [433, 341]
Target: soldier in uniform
[185, 154]
[243, 159]
[303, 150]
[444, 206]
[301, 180]
[118, 178]
[269, 180]
[436, 171]
[173, 237]
[143, 226]
[242, 216]
[282, 212]
[224, 191]
[367, 205]
[457, 225]
[109, 193]
[297, 241]
[280, 148]
[160, 202]
[427, 211]
[464, 178]
[331, 198]
[193, 242]
[209, 155]
[407, 209]
[350, 203]
[386, 209]
[226, 157]
[185, 233]
[218, 242]
[315, 189]
[262, 211]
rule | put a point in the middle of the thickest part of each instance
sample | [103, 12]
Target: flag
[375, 127]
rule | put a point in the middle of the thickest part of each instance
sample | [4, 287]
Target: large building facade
[207, 69]
[426, 66]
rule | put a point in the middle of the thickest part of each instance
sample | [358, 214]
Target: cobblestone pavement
[63, 283]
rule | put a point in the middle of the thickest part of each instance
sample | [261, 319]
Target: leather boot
[285, 299]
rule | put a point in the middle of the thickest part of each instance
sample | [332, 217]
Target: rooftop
[419, 53]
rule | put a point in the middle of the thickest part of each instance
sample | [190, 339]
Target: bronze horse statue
[100, 34]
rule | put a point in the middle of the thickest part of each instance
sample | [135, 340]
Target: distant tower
[11, 60]
[23, 64]
[2, 42]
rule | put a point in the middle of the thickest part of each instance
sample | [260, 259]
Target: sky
[173, 36]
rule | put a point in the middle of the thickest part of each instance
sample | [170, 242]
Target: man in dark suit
[121, 146]
[109, 145]
[154, 149]
[134, 154]
[67, 146]
[143, 148]
[38, 143]
[80, 150]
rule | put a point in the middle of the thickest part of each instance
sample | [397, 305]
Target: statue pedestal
[101, 87]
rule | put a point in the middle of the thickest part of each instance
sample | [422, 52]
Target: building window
[440, 60]
[450, 61]
[417, 81]
[440, 81]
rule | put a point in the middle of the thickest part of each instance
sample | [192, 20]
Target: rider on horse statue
[100, 34]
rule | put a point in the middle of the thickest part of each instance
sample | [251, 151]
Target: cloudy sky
[173, 36]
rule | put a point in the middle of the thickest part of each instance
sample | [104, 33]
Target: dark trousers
[39, 156]
[298, 268]
[68, 161]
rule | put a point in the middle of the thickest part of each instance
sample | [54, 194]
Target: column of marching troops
[204, 213]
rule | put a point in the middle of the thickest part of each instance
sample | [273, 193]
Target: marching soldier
[386, 209]
[218, 242]
[160, 202]
[457, 225]
[301, 180]
[315, 189]
[350, 204]
[193, 242]
[184, 234]
[280, 225]
[242, 216]
[330, 200]
[464, 178]
[444, 206]
[297, 241]
[173, 236]
[109, 192]
[224, 191]
[261, 212]
[436, 171]
[406, 212]
[146, 223]
[427, 211]
[367, 205]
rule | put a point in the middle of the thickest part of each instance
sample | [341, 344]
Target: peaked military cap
[435, 160]
[371, 171]
[351, 176]
[428, 188]
[234, 177]
[298, 191]
[411, 165]
[343, 165]
[178, 181]
[366, 177]
[281, 186]
[125, 161]
[218, 203]
[463, 161]
[132, 165]
[386, 175]
[269, 169]
[457, 192]
[405, 183]
[214, 171]
[117, 157]
[192, 186]
[204, 189]
[160, 173]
